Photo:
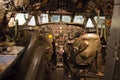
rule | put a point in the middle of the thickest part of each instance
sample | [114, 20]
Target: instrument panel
[61, 29]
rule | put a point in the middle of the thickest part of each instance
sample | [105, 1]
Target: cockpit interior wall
[112, 68]
[30, 56]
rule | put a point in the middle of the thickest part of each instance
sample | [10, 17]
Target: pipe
[16, 29]
[101, 33]
[98, 11]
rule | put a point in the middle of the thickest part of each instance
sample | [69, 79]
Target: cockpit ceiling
[78, 6]
[63, 6]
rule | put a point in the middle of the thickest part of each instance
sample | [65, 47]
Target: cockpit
[44, 41]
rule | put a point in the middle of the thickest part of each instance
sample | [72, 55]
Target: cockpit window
[21, 18]
[66, 19]
[89, 23]
[32, 21]
[43, 18]
[78, 19]
[101, 21]
[55, 18]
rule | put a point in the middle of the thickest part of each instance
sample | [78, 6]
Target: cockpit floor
[60, 73]
[57, 74]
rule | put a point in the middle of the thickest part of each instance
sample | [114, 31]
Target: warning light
[50, 36]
